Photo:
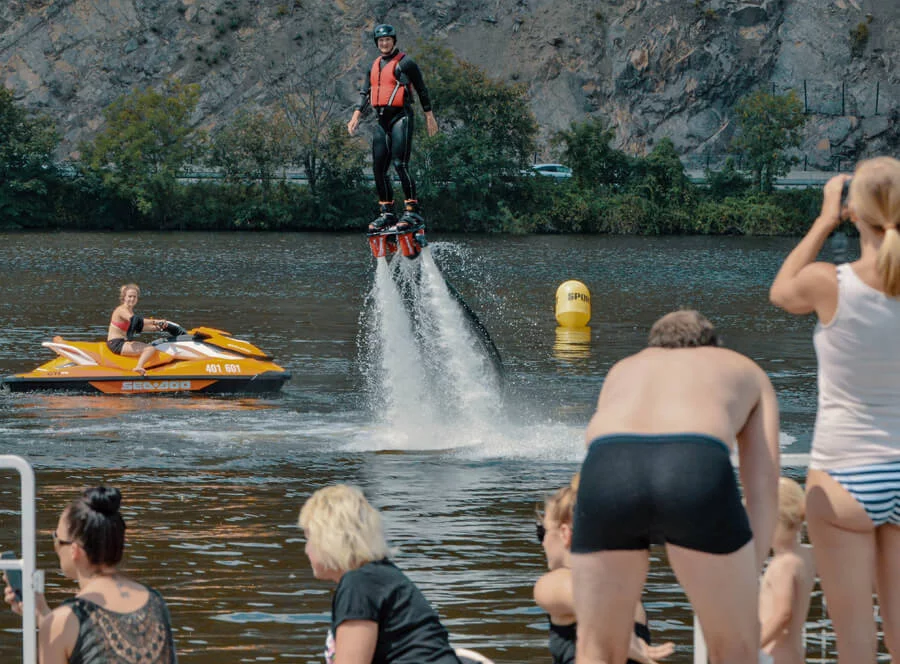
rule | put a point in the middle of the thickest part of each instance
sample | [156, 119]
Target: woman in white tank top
[853, 486]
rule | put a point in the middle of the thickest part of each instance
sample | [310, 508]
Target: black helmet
[384, 30]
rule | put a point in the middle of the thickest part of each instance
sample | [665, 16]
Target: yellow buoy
[573, 304]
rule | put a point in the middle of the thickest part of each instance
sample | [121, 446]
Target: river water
[212, 486]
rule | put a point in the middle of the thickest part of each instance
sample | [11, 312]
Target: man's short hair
[686, 328]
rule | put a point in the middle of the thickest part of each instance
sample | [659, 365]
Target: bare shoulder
[59, 628]
[553, 592]
[620, 368]
[58, 616]
[622, 365]
[739, 361]
[820, 272]
[553, 581]
[749, 367]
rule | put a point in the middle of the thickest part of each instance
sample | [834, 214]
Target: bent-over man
[658, 470]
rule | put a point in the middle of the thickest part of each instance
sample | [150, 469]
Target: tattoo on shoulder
[122, 590]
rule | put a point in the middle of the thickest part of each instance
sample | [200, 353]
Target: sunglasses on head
[540, 531]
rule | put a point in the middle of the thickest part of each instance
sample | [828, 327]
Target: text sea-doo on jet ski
[203, 360]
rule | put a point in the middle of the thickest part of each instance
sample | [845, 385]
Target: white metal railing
[31, 580]
[700, 654]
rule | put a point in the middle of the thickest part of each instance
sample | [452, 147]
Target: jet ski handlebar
[172, 329]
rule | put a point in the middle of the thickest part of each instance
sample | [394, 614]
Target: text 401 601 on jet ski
[226, 368]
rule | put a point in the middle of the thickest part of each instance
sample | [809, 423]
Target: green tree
[664, 180]
[487, 137]
[309, 90]
[143, 146]
[27, 173]
[310, 111]
[586, 149]
[768, 126]
[343, 192]
[253, 147]
[726, 182]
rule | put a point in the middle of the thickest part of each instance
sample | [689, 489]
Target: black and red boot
[385, 220]
[411, 217]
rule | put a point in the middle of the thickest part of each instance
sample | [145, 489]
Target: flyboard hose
[479, 327]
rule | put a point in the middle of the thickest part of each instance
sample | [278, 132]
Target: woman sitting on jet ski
[124, 324]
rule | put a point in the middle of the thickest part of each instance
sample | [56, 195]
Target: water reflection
[572, 343]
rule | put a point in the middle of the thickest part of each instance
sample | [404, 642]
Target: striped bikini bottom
[876, 488]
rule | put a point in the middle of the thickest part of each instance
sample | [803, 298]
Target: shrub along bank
[473, 176]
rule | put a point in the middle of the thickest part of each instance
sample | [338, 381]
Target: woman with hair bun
[378, 616]
[853, 486]
[112, 619]
[553, 591]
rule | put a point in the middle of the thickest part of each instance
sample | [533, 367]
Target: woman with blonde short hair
[853, 486]
[378, 616]
[125, 323]
[553, 591]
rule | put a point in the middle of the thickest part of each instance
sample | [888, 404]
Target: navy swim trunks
[643, 489]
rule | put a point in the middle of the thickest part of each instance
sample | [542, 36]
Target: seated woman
[378, 616]
[553, 591]
[124, 324]
[112, 619]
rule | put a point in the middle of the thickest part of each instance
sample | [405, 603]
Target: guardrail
[32, 580]
[793, 180]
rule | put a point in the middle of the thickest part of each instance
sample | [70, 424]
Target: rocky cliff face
[653, 68]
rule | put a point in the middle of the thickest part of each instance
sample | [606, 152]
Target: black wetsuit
[392, 138]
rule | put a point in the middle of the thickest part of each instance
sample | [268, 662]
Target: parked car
[552, 170]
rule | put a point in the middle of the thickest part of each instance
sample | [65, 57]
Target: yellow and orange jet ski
[199, 360]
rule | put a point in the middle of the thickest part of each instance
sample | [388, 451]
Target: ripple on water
[210, 482]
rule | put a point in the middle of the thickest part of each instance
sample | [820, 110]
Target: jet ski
[202, 359]
[409, 241]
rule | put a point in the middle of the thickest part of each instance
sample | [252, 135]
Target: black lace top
[143, 636]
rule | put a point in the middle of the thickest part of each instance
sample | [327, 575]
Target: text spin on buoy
[573, 304]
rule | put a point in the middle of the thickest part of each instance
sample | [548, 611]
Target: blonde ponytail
[875, 199]
[888, 261]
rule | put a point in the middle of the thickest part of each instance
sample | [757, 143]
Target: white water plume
[399, 382]
[470, 380]
[432, 379]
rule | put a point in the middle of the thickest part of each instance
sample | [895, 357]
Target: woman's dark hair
[94, 522]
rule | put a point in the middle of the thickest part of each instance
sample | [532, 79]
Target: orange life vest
[386, 88]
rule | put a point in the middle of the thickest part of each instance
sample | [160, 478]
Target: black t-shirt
[409, 630]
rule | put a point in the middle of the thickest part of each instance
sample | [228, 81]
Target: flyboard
[409, 242]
